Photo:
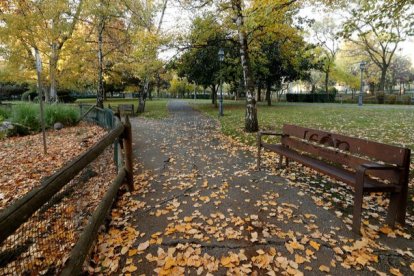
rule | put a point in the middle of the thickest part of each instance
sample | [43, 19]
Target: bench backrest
[126, 108]
[347, 151]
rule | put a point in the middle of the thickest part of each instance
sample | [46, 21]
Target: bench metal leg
[402, 206]
[356, 219]
[287, 161]
[280, 162]
[395, 198]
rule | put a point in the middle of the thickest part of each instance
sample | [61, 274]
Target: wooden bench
[123, 109]
[365, 165]
[126, 109]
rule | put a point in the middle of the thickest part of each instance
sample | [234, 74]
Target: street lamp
[362, 67]
[221, 59]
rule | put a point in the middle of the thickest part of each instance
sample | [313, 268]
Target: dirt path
[206, 209]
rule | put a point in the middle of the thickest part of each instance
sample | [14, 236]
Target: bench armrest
[265, 132]
[377, 167]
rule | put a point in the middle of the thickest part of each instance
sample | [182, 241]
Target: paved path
[206, 207]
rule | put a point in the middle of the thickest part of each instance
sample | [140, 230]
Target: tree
[377, 36]
[326, 34]
[200, 62]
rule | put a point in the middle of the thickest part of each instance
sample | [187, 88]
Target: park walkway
[204, 208]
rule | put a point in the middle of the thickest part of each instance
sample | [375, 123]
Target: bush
[27, 115]
[406, 99]
[311, 98]
[28, 95]
[390, 99]
[4, 114]
[380, 97]
[67, 115]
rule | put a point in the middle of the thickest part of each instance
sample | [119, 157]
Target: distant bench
[123, 109]
[365, 165]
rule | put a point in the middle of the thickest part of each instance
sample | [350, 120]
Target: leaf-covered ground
[23, 164]
[201, 208]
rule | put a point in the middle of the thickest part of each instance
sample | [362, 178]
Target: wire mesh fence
[43, 243]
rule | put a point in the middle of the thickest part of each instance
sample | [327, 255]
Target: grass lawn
[387, 124]
[155, 109]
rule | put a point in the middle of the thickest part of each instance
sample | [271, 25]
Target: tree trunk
[259, 92]
[40, 92]
[268, 93]
[143, 97]
[100, 95]
[214, 95]
[251, 123]
[326, 81]
[381, 86]
[52, 73]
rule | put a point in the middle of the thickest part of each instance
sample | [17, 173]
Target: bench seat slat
[341, 174]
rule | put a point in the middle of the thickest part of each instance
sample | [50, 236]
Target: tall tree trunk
[214, 95]
[40, 92]
[100, 95]
[381, 86]
[259, 92]
[250, 123]
[143, 97]
[268, 93]
[327, 81]
[52, 73]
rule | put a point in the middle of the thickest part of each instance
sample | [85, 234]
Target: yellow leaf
[131, 268]
[385, 230]
[395, 271]
[412, 266]
[324, 268]
[315, 245]
[299, 259]
[169, 262]
[188, 219]
[143, 246]
[132, 252]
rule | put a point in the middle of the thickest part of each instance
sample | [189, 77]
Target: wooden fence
[20, 211]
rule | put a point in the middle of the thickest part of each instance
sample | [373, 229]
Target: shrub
[27, 115]
[4, 113]
[380, 97]
[28, 95]
[390, 99]
[406, 99]
[67, 115]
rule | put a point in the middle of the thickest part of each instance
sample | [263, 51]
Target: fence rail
[25, 216]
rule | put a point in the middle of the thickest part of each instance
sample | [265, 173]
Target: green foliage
[390, 99]
[4, 113]
[28, 95]
[406, 99]
[65, 114]
[27, 115]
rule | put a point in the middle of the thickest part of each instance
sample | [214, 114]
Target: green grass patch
[386, 124]
[155, 109]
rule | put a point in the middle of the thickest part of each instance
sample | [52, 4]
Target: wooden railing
[21, 210]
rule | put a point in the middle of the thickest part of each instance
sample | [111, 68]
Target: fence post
[128, 153]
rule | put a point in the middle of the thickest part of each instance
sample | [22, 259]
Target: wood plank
[88, 236]
[362, 147]
[339, 157]
[338, 173]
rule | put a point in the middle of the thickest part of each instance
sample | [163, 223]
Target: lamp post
[362, 67]
[221, 59]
